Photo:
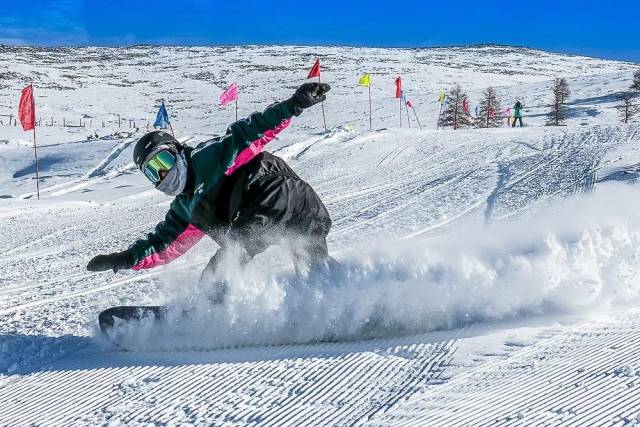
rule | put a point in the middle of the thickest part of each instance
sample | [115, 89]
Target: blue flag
[162, 119]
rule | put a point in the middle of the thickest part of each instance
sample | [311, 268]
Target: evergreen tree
[636, 81]
[489, 110]
[563, 89]
[627, 107]
[456, 112]
[561, 92]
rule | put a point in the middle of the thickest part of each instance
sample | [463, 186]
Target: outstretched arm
[170, 239]
[265, 125]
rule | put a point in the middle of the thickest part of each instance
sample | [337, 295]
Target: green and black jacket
[194, 212]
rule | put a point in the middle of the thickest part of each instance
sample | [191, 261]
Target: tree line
[490, 114]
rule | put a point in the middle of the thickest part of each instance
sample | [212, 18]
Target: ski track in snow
[547, 359]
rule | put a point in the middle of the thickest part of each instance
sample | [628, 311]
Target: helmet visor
[161, 161]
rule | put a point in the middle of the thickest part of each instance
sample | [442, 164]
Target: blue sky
[598, 28]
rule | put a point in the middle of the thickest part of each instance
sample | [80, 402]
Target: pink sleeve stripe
[256, 147]
[185, 241]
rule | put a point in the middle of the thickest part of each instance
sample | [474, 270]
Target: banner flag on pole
[442, 97]
[406, 106]
[162, 119]
[398, 87]
[365, 80]
[229, 95]
[465, 105]
[410, 105]
[27, 116]
[27, 109]
[315, 70]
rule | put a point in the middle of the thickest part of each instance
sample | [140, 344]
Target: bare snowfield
[491, 276]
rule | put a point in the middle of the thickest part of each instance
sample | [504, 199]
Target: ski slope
[490, 276]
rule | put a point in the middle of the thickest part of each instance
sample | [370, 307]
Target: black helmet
[152, 142]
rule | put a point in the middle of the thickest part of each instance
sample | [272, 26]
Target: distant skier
[517, 113]
[225, 190]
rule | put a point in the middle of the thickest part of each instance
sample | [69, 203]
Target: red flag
[27, 109]
[315, 70]
[398, 87]
[409, 104]
[465, 104]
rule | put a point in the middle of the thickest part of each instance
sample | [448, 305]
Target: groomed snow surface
[490, 277]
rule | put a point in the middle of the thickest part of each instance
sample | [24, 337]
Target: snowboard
[158, 313]
[106, 319]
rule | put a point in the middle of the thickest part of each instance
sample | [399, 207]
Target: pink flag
[229, 95]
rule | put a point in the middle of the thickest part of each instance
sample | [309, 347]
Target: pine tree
[489, 110]
[563, 89]
[636, 81]
[627, 107]
[561, 92]
[455, 115]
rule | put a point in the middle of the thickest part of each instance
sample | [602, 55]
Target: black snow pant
[277, 208]
[515, 119]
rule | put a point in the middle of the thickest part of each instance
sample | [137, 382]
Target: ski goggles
[161, 161]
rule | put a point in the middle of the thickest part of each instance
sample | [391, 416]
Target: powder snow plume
[574, 257]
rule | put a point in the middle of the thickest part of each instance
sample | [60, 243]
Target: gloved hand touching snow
[115, 261]
[308, 95]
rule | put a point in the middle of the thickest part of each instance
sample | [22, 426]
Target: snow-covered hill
[491, 276]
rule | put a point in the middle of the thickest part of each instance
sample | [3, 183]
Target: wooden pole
[35, 152]
[324, 120]
[455, 113]
[370, 119]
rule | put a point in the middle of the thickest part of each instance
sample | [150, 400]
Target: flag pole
[407, 109]
[236, 109]
[35, 152]
[400, 109]
[171, 127]
[370, 120]
[439, 115]
[324, 120]
[416, 114]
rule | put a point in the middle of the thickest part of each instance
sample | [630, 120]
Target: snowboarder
[517, 113]
[223, 189]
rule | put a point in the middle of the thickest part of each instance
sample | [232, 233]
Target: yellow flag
[365, 80]
[442, 97]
